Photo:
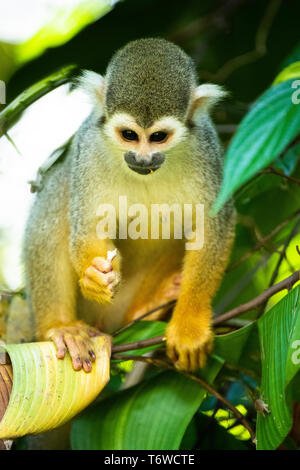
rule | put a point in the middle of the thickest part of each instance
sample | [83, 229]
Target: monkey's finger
[116, 279]
[112, 278]
[83, 347]
[74, 352]
[201, 359]
[209, 345]
[183, 361]
[103, 265]
[172, 353]
[59, 342]
[92, 355]
[89, 284]
[193, 360]
[99, 277]
[92, 287]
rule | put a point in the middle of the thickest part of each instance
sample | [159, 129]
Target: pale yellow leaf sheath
[47, 391]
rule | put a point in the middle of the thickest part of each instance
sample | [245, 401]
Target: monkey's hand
[189, 341]
[75, 338]
[99, 281]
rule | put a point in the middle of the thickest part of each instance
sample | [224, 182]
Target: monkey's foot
[76, 339]
[99, 281]
[188, 344]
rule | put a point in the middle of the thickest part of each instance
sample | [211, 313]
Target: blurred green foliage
[243, 45]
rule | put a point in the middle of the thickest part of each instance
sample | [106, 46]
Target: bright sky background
[34, 25]
[13, 28]
[21, 19]
[46, 125]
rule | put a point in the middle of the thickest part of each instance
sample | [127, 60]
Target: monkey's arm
[98, 270]
[95, 260]
[50, 277]
[189, 333]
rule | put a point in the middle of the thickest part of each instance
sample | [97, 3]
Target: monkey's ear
[93, 84]
[204, 97]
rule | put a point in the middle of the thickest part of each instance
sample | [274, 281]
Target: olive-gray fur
[63, 218]
[150, 78]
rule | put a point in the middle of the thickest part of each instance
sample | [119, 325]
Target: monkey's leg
[189, 333]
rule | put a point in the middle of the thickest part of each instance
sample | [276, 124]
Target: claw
[75, 339]
[189, 349]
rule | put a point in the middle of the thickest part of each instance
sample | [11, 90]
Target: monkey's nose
[144, 166]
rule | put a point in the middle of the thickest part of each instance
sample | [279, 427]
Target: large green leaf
[240, 348]
[152, 415]
[289, 160]
[231, 346]
[155, 413]
[263, 134]
[12, 112]
[279, 332]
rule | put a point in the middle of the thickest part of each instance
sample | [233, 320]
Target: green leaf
[12, 112]
[279, 330]
[74, 18]
[139, 331]
[292, 71]
[152, 415]
[289, 160]
[240, 348]
[217, 438]
[263, 134]
[231, 346]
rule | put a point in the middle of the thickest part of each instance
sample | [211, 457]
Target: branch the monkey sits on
[149, 137]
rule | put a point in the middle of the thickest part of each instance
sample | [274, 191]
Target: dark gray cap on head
[150, 78]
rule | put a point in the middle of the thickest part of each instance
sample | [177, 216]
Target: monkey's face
[144, 149]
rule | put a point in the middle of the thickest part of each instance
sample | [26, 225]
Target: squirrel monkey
[149, 137]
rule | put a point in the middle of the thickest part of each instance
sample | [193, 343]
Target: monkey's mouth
[144, 170]
[143, 166]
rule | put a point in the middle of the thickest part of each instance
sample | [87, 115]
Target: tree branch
[261, 243]
[144, 343]
[260, 299]
[165, 365]
[160, 307]
[281, 258]
[215, 21]
[273, 171]
[12, 112]
[258, 52]
[252, 304]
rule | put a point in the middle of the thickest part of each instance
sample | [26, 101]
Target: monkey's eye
[158, 136]
[127, 134]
